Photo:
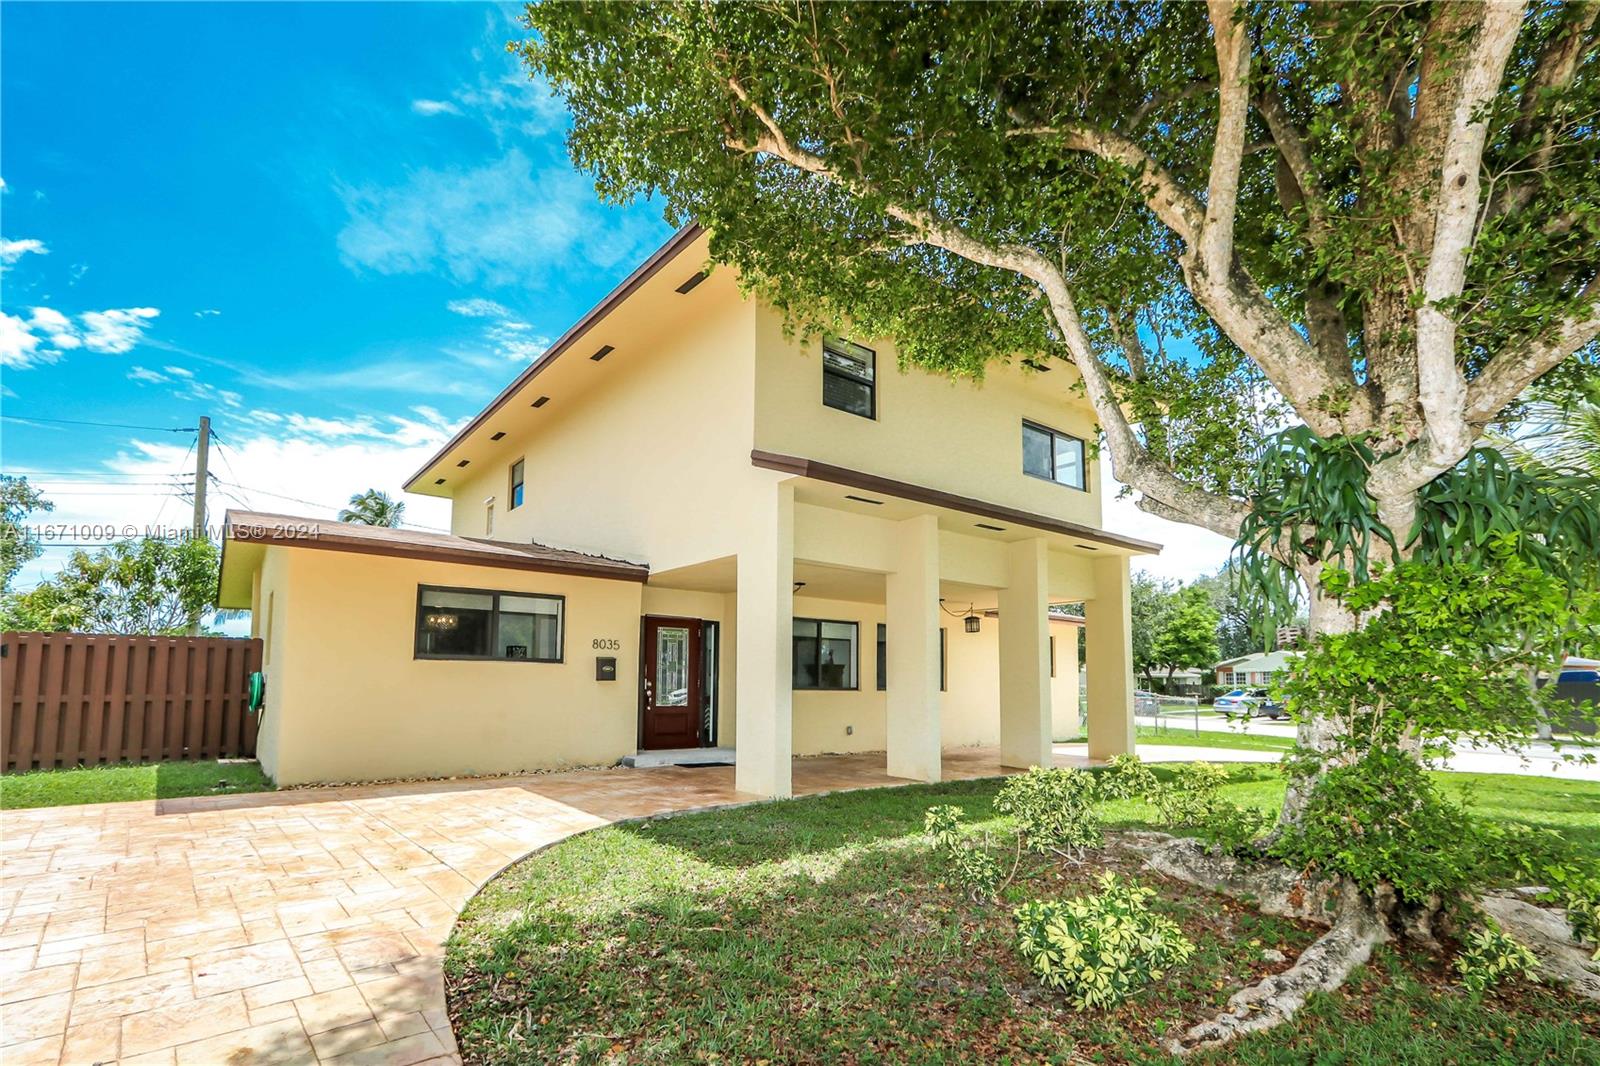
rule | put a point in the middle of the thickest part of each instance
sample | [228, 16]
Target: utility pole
[201, 449]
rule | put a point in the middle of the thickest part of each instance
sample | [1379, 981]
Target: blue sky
[331, 227]
[337, 229]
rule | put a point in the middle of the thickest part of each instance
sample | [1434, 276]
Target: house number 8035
[607, 644]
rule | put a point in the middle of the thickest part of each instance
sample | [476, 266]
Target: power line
[314, 503]
[102, 425]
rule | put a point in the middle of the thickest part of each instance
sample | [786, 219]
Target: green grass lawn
[1181, 734]
[109, 784]
[819, 930]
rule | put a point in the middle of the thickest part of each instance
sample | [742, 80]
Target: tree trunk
[1317, 734]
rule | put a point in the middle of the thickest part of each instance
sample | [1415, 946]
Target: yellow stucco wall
[347, 701]
[648, 461]
[969, 706]
[963, 437]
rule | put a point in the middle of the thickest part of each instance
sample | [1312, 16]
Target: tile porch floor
[296, 927]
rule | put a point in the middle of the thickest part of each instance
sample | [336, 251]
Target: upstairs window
[473, 624]
[1052, 455]
[825, 655]
[849, 378]
[516, 485]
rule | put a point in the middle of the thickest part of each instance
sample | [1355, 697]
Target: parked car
[1146, 703]
[1250, 703]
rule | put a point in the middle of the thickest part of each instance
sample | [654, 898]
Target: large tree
[18, 500]
[1188, 635]
[1373, 222]
[146, 586]
[1378, 220]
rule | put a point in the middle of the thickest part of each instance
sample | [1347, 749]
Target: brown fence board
[75, 698]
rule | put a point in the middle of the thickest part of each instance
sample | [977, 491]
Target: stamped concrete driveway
[301, 926]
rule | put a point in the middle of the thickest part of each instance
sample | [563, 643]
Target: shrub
[1054, 808]
[1099, 949]
[974, 869]
[1193, 800]
[1381, 820]
[1489, 956]
[1583, 914]
[1125, 777]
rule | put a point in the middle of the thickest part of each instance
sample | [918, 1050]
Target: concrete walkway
[295, 927]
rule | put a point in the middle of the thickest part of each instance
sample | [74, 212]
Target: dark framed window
[883, 658]
[1054, 456]
[849, 378]
[481, 624]
[516, 486]
[825, 654]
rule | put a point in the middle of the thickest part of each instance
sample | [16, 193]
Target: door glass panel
[672, 666]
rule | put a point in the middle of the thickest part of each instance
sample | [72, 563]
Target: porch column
[911, 619]
[764, 650]
[1025, 706]
[1108, 659]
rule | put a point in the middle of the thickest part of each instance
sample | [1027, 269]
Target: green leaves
[1100, 948]
[1489, 956]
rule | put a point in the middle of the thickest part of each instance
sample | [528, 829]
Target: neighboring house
[1253, 671]
[1185, 682]
[683, 527]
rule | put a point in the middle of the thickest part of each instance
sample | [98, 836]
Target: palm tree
[373, 508]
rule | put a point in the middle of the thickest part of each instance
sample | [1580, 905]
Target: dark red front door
[671, 684]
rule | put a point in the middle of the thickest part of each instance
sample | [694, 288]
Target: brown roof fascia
[631, 284]
[857, 479]
[321, 541]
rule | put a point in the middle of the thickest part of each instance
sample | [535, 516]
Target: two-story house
[683, 527]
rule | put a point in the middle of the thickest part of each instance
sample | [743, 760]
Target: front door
[671, 684]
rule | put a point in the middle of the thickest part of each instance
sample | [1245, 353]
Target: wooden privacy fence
[71, 698]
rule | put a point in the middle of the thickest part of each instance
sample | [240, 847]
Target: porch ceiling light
[972, 623]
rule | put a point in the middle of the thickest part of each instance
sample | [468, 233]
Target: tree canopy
[18, 499]
[1378, 220]
[149, 586]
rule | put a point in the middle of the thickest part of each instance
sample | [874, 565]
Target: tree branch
[1441, 386]
[1511, 371]
[1131, 462]
[1554, 71]
[1227, 149]
[1322, 391]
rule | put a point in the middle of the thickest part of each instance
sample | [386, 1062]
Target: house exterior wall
[962, 437]
[347, 701]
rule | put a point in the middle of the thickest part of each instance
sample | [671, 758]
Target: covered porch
[812, 608]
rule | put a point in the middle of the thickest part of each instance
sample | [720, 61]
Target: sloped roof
[1263, 662]
[290, 531]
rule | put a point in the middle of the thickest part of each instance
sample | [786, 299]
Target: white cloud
[115, 331]
[1187, 551]
[434, 107]
[11, 251]
[503, 223]
[146, 376]
[178, 371]
[207, 312]
[56, 327]
[479, 308]
[19, 348]
[46, 333]
[278, 471]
